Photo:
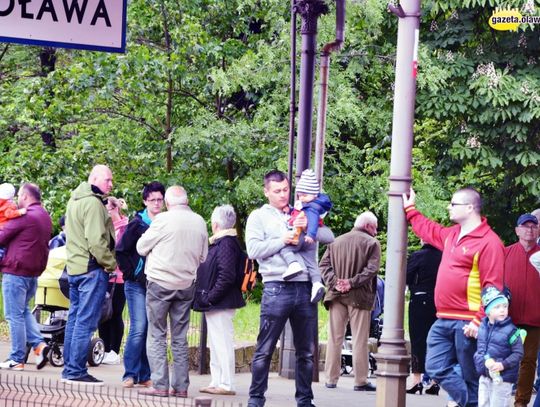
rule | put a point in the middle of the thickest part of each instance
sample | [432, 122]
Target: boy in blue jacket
[313, 205]
[499, 351]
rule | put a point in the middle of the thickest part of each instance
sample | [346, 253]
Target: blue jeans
[86, 295]
[284, 301]
[448, 346]
[17, 292]
[135, 359]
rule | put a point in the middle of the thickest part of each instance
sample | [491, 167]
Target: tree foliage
[201, 98]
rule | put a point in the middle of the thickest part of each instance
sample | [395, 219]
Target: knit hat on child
[308, 183]
[491, 296]
[7, 191]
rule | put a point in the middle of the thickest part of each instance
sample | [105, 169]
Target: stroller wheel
[96, 352]
[56, 355]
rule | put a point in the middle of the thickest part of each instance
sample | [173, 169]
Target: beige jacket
[175, 244]
[354, 256]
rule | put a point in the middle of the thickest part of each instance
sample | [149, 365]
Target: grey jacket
[264, 231]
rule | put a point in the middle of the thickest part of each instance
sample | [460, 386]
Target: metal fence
[24, 391]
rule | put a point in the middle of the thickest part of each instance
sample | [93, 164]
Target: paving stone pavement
[280, 391]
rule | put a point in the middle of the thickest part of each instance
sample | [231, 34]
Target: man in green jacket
[90, 259]
[349, 269]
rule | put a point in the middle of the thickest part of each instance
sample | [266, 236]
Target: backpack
[246, 274]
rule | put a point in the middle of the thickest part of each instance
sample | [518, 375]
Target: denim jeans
[86, 295]
[448, 346]
[284, 301]
[135, 360]
[17, 292]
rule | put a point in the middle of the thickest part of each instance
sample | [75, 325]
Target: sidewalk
[280, 391]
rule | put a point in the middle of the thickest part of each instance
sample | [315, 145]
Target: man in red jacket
[26, 240]
[524, 283]
[473, 258]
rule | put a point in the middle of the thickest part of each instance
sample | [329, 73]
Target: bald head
[101, 177]
[175, 196]
[472, 197]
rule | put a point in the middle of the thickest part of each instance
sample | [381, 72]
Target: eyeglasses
[155, 201]
[452, 204]
[532, 227]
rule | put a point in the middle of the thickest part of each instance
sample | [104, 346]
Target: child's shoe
[292, 271]
[317, 292]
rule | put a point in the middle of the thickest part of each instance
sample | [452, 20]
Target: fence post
[203, 401]
[202, 346]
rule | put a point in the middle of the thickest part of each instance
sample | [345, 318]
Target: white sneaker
[42, 355]
[11, 364]
[317, 292]
[111, 358]
[292, 271]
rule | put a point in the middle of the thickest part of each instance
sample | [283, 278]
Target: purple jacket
[27, 242]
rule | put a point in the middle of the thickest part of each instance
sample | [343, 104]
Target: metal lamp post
[392, 358]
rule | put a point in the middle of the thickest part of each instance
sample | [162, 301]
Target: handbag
[107, 306]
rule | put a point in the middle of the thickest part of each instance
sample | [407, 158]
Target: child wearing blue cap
[499, 351]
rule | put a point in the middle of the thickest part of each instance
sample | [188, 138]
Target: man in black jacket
[137, 369]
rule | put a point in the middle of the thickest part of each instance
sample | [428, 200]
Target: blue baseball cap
[527, 217]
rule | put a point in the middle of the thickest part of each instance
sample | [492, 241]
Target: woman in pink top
[112, 331]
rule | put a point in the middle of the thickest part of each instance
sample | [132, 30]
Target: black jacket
[500, 342]
[129, 261]
[422, 268]
[218, 285]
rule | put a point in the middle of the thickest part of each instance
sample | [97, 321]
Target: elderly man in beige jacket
[175, 244]
[349, 269]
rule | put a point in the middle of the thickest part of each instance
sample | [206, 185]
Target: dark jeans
[448, 346]
[112, 331]
[284, 301]
[86, 295]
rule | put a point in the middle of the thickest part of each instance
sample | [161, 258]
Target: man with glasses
[524, 283]
[473, 258]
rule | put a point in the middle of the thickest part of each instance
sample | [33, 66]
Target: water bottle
[495, 376]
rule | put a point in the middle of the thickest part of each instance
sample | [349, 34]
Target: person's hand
[470, 330]
[22, 211]
[410, 200]
[288, 237]
[496, 367]
[300, 222]
[309, 240]
[343, 285]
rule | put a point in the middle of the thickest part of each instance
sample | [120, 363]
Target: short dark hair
[32, 190]
[473, 196]
[274, 176]
[154, 186]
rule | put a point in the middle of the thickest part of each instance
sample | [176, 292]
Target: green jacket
[89, 232]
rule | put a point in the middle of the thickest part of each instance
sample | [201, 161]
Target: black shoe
[433, 390]
[330, 385]
[88, 380]
[365, 387]
[418, 387]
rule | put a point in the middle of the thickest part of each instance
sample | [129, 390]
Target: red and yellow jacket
[468, 265]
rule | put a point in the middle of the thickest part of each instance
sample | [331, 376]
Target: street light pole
[309, 10]
[392, 357]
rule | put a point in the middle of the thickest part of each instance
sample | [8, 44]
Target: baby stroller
[375, 332]
[52, 308]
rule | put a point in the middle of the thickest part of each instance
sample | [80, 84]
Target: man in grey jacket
[266, 235]
[175, 244]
